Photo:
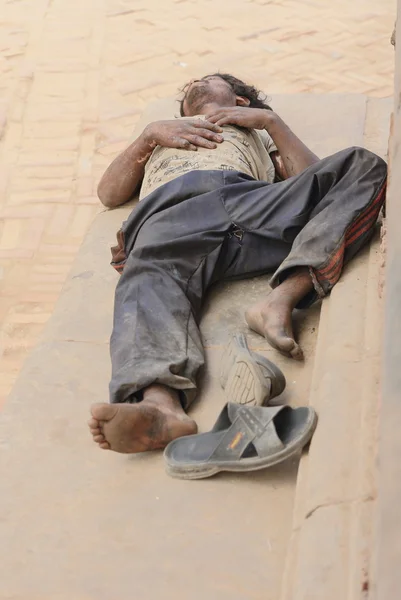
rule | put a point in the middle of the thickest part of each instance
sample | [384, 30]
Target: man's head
[219, 89]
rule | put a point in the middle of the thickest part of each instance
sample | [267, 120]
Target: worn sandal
[247, 377]
[243, 439]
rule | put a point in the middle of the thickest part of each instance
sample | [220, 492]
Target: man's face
[208, 90]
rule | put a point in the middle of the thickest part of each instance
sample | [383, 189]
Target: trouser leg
[155, 337]
[319, 219]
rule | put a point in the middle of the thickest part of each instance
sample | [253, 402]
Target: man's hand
[184, 134]
[293, 156]
[252, 118]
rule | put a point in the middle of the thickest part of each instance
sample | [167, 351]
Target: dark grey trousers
[207, 226]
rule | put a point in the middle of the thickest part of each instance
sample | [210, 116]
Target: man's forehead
[205, 77]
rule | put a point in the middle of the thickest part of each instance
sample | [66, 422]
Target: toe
[104, 446]
[296, 353]
[99, 439]
[286, 344]
[282, 343]
[103, 412]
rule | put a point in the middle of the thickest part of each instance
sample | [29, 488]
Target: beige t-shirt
[244, 150]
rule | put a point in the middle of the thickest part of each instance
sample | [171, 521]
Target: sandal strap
[233, 443]
[249, 425]
[261, 419]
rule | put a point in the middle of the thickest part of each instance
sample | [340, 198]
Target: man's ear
[242, 101]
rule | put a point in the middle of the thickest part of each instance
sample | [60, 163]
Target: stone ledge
[329, 555]
[339, 472]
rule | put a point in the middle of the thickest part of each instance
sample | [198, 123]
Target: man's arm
[295, 156]
[123, 177]
[278, 163]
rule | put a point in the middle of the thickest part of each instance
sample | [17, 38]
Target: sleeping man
[227, 191]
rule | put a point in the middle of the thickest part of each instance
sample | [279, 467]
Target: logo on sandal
[237, 438]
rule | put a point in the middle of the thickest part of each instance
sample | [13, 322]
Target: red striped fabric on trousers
[366, 220]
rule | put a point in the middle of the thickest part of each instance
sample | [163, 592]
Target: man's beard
[198, 96]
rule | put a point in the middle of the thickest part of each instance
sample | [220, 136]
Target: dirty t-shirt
[244, 150]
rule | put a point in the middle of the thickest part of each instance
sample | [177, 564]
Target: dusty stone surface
[75, 77]
[109, 524]
[332, 554]
[332, 541]
[97, 525]
[383, 253]
[388, 545]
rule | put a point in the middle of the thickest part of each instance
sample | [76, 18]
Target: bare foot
[147, 425]
[272, 318]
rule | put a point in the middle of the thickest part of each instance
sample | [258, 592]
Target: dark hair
[240, 88]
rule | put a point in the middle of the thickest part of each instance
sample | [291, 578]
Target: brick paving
[75, 76]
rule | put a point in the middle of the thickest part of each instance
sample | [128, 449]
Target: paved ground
[75, 77]
[76, 74]
[114, 526]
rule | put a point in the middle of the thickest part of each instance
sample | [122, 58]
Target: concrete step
[88, 524]
[329, 555]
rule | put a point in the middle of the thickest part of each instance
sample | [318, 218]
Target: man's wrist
[141, 149]
[148, 138]
[270, 119]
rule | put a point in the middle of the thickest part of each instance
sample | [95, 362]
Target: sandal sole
[241, 376]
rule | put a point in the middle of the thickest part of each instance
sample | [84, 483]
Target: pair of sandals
[247, 435]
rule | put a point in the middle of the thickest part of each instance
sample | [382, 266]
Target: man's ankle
[162, 396]
[295, 287]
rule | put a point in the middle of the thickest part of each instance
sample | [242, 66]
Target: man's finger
[209, 135]
[198, 140]
[208, 125]
[227, 120]
[184, 144]
[214, 118]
